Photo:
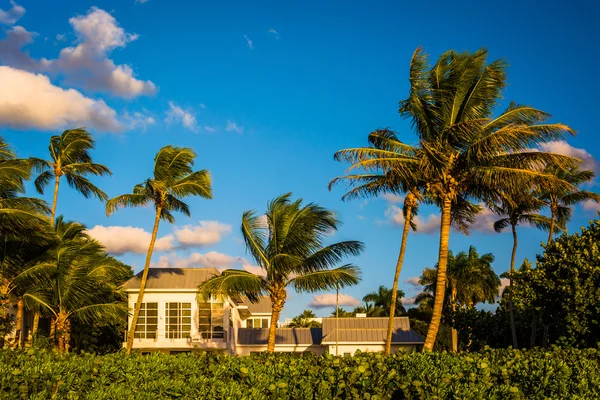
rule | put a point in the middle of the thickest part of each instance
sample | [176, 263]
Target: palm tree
[369, 309]
[305, 320]
[384, 299]
[290, 250]
[381, 178]
[341, 313]
[464, 153]
[173, 180]
[561, 200]
[517, 209]
[70, 157]
[470, 280]
[72, 278]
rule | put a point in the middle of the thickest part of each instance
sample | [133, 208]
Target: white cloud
[504, 282]
[429, 224]
[212, 259]
[179, 115]
[202, 105]
[328, 300]
[361, 217]
[393, 198]
[413, 280]
[484, 221]
[128, 239]
[61, 37]
[137, 120]
[255, 269]
[233, 127]
[409, 300]
[209, 129]
[206, 233]
[250, 45]
[562, 147]
[142, 1]
[591, 205]
[29, 100]
[274, 33]
[11, 46]
[12, 15]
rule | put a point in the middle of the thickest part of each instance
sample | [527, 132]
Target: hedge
[491, 374]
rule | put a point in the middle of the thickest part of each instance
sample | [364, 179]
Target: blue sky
[265, 93]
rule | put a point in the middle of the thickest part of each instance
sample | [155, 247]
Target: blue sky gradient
[266, 118]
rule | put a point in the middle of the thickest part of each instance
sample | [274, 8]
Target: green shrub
[490, 374]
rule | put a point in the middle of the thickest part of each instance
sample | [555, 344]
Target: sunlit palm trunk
[513, 328]
[440, 286]
[552, 224]
[388, 343]
[36, 324]
[19, 323]
[277, 303]
[140, 299]
[53, 212]
[4, 299]
[454, 331]
[62, 331]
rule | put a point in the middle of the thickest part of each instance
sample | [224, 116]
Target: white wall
[247, 350]
[368, 348]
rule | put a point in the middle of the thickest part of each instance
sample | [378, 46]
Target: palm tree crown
[289, 247]
[70, 157]
[382, 299]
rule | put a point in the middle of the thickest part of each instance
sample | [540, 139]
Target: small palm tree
[173, 180]
[305, 320]
[384, 299]
[378, 165]
[514, 210]
[290, 250]
[71, 279]
[70, 157]
[561, 200]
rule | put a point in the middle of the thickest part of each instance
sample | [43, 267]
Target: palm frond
[340, 277]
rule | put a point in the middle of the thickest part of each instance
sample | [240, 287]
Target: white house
[173, 319]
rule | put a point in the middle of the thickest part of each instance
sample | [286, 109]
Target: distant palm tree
[369, 309]
[379, 176]
[173, 180]
[464, 153]
[514, 210]
[341, 313]
[71, 280]
[383, 298]
[70, 157]
[561, 200]
[304, 320]
[470, 280]
[289, 249]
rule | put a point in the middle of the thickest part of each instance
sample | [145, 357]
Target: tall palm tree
[70, 157]
[72, 278]
[561, 200]
[173, 180]
[470, 280]
[378, 178]
[516, 209]
[384, 299]
[290, 249]
[464, 153]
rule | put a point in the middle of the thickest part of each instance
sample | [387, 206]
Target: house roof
[283, 336]
[263, 306]
[351, 330]
[367, 330]
[171, 278]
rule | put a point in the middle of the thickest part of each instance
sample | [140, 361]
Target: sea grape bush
[490, 374]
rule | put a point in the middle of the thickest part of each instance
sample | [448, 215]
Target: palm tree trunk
[67, 335]
[545, 337]
[407, 217]
[53, 330]
[440, 286]
[53, 212]
[19, 323]
[140, 299]
[454, 331]
[552, 223]
[533, 329]
[277, 302]
[36, 324]
[60, 327]
[513, 328]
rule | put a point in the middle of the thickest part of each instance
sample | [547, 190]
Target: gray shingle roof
[172, 278]
[368, 330]
[263, 306]
[284, 336]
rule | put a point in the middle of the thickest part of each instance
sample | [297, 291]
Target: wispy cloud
[204, 234]
[409, 301]
[413, 280]
[209, 129]
[12, 15]
[429, 224]
[249, 42]
[137, 120]
[141, 1]
[393, 198]
[233, 127]
[562, 147]
[274, 33]
[176, 114]
[328, 300]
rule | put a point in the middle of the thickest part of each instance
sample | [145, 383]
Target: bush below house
[491, 374]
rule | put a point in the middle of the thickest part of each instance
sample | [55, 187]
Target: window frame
[142, 322]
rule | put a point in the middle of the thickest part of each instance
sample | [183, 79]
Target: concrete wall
[368, 348]
[247, 350]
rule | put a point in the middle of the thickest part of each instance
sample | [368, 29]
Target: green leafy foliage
[491, 374]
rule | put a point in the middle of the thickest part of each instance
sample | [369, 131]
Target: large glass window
[210, 320]
[147, 323]
[257, 322]
[178, 320]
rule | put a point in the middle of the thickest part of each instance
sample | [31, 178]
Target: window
[147, 323]
[257, 323]
[210, 320]
[178, 320]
